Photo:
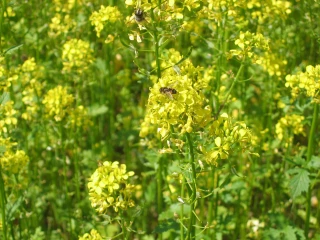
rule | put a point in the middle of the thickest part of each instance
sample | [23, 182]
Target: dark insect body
[166, 90]
[139, 15]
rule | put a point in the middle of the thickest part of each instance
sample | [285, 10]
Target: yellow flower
[77, 55]
[227, 136]
[12, 160]
[176, 100]
[249, 43]
[58, 103]
[104, 15]
[94, 235]
[306, 82]
[109, 187]
[288, 126]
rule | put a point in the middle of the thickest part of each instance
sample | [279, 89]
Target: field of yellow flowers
[159, 119]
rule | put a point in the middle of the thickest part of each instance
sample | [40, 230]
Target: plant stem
[309, 155]
[3, 205]
[230, 89]
[181, 211]
[159, 189]
[191, 228]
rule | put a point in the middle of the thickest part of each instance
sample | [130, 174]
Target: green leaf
[314, 163]
[289, 233]
[226, 181]
[12, 49]
[12, 208]
[96, 110]
[5, 97]
[2, 149]
[299, 183]
[166, 226]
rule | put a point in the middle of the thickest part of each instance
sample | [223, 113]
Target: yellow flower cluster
[58, 103]
[306, 81]
[32, 88]
[8, 116]
[12, 160]
[65, 6]
[288, 126]
[249, 43]
[79, 117]
[273, 64]
[9, 12]
[105, 14]
[77, 55]
[60, 24]
[268, 10]
[177, 99]
[109, 187]
[93, 235]
[227, 136]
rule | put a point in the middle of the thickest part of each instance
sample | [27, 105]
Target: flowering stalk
[230, 89]
[157, 56]
[191, 228]
[3, 205]
[309, 155]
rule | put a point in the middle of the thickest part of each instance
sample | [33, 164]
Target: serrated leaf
[299, 183]
[5, 97]
[12, 49]
[166, 226]
[314, 163]
[289, 233]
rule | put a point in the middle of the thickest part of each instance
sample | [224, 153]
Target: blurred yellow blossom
[109, 187]
[227, 137]
[104, 15]
[288, 126]
[249, 43]
[93, 235]
[58, 103]
[76, 55]
[307, 82]
[12, 160]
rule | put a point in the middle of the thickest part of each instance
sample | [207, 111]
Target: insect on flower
[139, 15]
[168, 91]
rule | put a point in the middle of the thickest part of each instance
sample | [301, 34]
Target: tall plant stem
[230, 89]
[157, 56]
[3, 205]
[191, 228]
[309, 155]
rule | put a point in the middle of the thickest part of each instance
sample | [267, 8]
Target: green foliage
[214, 105]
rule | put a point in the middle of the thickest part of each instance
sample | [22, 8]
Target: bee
[168, 91]
[139, 15]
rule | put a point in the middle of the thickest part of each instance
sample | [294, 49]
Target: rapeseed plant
[12, 160]
[305, 82]
[103, 16]
[93, 235]
[109, 187]
[76, 55]
[58, 103]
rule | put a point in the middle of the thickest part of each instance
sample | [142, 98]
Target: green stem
[3, 9]
[230, 89]
[159, 189]
[309, 155]
[156, 41]
[3, 205]
[191, 228]
[181, 211]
